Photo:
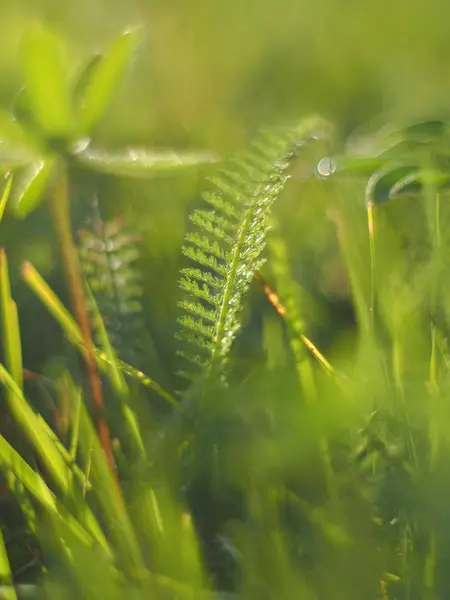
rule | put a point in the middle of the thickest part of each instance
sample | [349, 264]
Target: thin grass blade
[10, 325]
[5, 196]
[29, 422]
[116, 376]
[8, 592]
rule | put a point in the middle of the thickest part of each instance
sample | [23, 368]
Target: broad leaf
[101, 78]
[135, 162]
[46, 82]
[29, 187]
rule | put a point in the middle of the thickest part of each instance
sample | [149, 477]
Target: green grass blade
[73, 447]
[117, 378]
[103, 78]
[35, 485]
[109, 498]
[8, 592]
[10, 325]
[5, 195]
[46, 82]
[54, 305]
[32, 428]
[51, 301]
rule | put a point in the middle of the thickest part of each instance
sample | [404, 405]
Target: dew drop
[326, 167]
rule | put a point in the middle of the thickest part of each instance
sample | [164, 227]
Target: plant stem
[60, 208]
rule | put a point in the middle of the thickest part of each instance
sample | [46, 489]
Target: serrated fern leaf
[108, 255]
[227, 247]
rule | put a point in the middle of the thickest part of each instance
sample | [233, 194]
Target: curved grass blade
[380, 184]
[35, 485]
[102, 78]
[141, 162]
[46, 82]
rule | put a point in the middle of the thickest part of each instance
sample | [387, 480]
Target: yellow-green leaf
[103, 77]
[46, 82]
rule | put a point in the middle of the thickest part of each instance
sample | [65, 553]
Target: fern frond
[228, 245]
[108, 255]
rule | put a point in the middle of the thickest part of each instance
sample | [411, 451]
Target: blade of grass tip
[8, 592]
[51, 301]
[275, 301]
[54, 305]
[10, 325]
[5, 196]
[39, 439]
[116, 375]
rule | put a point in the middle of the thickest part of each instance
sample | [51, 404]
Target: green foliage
[320, 471]
[235, 232]
[52, 133]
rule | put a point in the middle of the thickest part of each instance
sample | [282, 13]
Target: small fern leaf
[195, 308]
[108, 255]
[228, 246]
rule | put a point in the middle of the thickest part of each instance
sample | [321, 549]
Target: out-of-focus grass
[208, 74]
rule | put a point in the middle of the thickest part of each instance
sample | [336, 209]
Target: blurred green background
[209, 74]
